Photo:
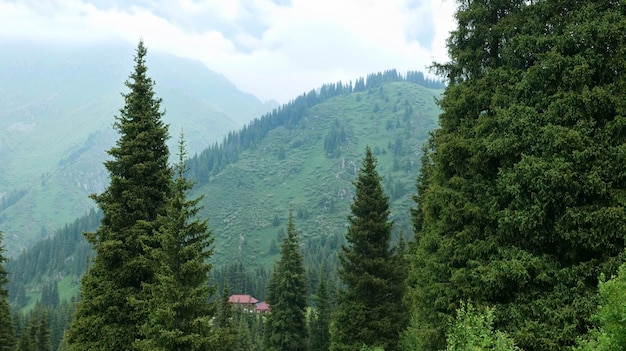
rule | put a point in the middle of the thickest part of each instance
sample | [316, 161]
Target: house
[262, 307]
[249, 303]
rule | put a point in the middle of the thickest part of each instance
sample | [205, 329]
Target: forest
[517, 222]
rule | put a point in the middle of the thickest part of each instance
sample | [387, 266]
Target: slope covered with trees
[283, 159]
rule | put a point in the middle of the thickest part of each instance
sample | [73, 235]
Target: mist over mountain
[57, 107]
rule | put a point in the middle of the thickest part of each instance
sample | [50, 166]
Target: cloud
[273, 49]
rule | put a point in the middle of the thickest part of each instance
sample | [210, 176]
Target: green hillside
[304, 155]
[57, 105]
[297, 165]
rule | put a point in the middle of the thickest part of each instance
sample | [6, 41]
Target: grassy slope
[245, 198]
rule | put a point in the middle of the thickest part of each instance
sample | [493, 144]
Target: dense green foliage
[178, 303]
[369, 308]
[60, 258]
[65, 254]
[319, 320]
[473, 330]
[111, 311]
[285, 328]
[521, 195]
[610, 333]
[225, 333]
[35, 334]
[520, 206]
[241, 279]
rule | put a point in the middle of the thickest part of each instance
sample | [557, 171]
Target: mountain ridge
[305, 160]
[56, 115]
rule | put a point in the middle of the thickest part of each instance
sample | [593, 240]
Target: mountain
[303, 155]
[308, 163]
[57, 103]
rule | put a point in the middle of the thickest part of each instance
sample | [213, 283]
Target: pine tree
[50, 295]
[244, 337]
[319, 334]
[256, 331]
[226, 333]
[36, 333]
[369, 308]
[520, 204]
[111, 311]
[43, 331]
[287, 294]
[7, 333]
[180, 314]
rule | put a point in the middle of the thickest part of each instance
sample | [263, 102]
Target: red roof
[263, 307]
[242, 299]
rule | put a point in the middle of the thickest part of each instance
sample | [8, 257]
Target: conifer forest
[483, 209]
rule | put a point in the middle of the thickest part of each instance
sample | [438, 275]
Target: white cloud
[272, 51]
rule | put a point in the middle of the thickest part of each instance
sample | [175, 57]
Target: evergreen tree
[180, 314]
[226, 332]
[43, 331]
[319, 331]
[520, 204]
[7, 333]
[256, 331]
[369, 308]
[50, 295]
[244, 337]
[60, 319]
[287, 294]
[36, 333]
[112, 310]
[26, 340]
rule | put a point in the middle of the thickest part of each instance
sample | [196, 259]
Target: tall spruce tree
[180, 312]
[36, 331]
[319, 329]
[287, 295]
[226, 334]
[369, 308]
[7, 333]
[244, 335]
[521, 201]
[111, 312]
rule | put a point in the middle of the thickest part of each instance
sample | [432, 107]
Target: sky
[274, 49]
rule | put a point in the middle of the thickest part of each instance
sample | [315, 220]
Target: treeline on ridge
[213, 159]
